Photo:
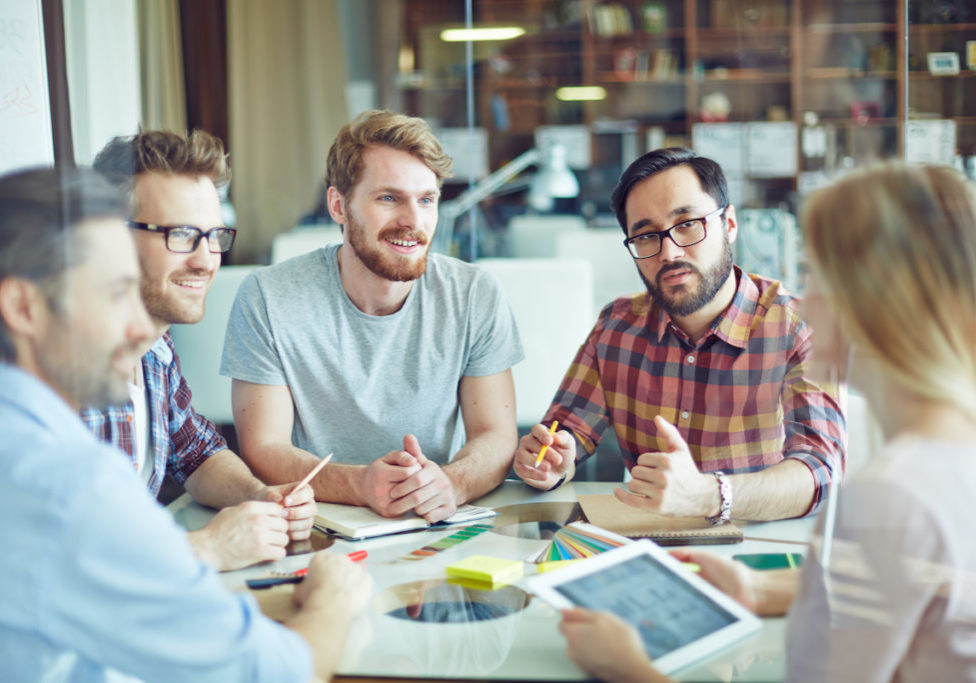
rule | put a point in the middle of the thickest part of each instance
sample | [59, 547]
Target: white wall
[102, 54]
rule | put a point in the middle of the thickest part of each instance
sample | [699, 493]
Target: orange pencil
[308, 477]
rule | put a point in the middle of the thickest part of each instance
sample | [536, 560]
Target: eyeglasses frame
[165, 230]
[667, 233]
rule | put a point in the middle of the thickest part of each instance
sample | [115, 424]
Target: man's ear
[731, 224]
[23, 307]
[337, 205]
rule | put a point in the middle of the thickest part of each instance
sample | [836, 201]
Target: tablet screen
[667, 611]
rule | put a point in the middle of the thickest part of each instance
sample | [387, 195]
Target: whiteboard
[25, 113]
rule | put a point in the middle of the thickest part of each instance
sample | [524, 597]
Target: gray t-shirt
[361, 382]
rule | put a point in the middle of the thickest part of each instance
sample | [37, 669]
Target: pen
[308, 477]
[296, 576]
[542, 451]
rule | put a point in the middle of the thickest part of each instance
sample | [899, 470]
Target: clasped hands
[406, 480]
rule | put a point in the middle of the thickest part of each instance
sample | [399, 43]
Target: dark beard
[708, 285]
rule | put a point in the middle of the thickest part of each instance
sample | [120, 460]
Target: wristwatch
[725, 494]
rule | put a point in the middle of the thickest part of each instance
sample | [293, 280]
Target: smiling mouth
[198, 285]
[404, 243]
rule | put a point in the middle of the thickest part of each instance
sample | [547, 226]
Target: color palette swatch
[579, 540]
[447, 542]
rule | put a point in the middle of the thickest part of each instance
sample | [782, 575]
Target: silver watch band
[725, 495]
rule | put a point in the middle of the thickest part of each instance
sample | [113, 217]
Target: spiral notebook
[607, 512]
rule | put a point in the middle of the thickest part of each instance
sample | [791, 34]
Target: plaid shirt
[739, 396]
[180, 439]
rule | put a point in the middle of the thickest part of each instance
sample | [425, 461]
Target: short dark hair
[196, 154]
[39, 208]
[709, 174]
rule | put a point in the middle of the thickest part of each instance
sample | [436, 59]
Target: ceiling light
[581, 93]
[460, 35]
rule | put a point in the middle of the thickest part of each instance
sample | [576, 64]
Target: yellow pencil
[542, 451]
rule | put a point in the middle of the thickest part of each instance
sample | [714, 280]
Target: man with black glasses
[703, 377]
[180, 238]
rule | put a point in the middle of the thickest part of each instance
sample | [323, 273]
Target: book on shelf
[607, 512]
[354, 522]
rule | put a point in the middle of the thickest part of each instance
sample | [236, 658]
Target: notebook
[607, 512]
[354, 522]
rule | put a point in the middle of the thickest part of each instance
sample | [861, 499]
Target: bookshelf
[838, 73]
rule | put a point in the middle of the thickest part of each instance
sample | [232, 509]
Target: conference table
[420, 626]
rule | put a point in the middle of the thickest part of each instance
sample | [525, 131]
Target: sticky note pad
[484, 569]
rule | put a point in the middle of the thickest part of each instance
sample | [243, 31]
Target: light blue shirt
[95, 575]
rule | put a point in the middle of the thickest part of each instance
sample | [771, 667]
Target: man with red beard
[362, 347]
[703, 377]
[180, 238]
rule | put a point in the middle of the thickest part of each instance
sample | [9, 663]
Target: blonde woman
[893, 252]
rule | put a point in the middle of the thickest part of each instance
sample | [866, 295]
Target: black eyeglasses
[184, 239]
[684, 234]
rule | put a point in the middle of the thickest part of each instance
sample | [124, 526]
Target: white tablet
[680, 616]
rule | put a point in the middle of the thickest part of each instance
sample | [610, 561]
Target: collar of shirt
[41, 402]
[733, 325]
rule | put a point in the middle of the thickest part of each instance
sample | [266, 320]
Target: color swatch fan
[579, 540]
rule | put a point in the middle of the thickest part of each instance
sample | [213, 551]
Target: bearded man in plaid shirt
[703, 377]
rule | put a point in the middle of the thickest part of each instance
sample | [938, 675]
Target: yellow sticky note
[484, 569]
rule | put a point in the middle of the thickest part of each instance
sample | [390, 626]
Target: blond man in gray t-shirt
[373, 345]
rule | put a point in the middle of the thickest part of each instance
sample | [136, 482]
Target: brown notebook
[609, 513]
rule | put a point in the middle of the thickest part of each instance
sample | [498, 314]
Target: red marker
[296, 576]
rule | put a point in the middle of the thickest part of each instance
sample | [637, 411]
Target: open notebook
[355, 523]
[607, 512]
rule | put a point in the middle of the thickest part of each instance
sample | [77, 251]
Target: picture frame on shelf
[943, 63]
[865, 111]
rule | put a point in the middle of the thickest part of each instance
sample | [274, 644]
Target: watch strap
[725, 496]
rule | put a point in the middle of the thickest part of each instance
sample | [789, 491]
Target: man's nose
[202, 258]
[670, 249]
[140, 328]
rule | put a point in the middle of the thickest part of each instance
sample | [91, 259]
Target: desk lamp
[553, 179]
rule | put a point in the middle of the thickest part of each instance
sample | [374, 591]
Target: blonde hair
[381, 127]
[895, 246]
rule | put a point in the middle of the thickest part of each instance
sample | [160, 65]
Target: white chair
[302, 240]
[864, 436]
[534, 236]
[614, 272]
[200, 346]
[552, 301]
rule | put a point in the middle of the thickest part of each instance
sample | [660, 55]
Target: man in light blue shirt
[98, 579]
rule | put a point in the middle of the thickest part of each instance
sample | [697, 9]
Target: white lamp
[554, 179]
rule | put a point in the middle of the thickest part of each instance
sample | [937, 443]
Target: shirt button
[684, 414]
[691, 359]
